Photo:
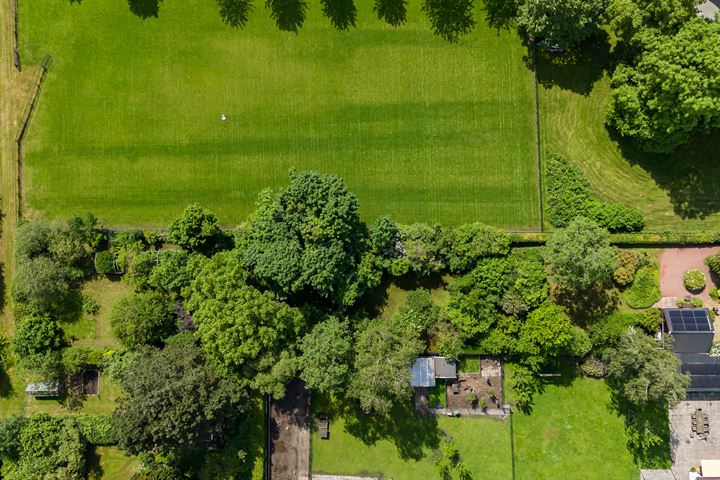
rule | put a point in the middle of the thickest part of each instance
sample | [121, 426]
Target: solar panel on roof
[689, 320]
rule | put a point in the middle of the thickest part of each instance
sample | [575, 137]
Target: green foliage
[645, 289]
[89, 305]
[672, 92]
[447, 339]
[10, 429]
[713, 263]
[242, 330]
[326, 352]
[419, 313]
[449, 19]
[593, 367]
[139, 270]
[377, 385]
[696, 302]
[386, 238]
[84, 228]
[565, 23]
[423, 247]
[568, 196]
[626, 264]
[473, 241]
[195, 230]
[173, 400]
[525, 385]
[117, 363]
[714, 294]
[580, 255]
[42, 282]
[144, 318]
[36, 334]
[642, 373]
[105, 262]
[307, 239]
[50, 447]
[171, 274]
[637, 21]
[98, 429]
[694, 280]
[548, 333]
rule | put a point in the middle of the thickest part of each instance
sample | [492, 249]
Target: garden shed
[426, 370]
[691, 329]
[49, 389]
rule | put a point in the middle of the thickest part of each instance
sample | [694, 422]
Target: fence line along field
[129, 124]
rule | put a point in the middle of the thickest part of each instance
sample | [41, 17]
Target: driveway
[674, 262]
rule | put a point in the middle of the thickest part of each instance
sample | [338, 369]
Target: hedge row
[98, 429]
[648, 239]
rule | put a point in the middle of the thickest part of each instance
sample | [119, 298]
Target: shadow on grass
[144, 8]
[687, 175]
[585, 306]
[578, 69]
[411, 433]
[647, 430]
[92, 463]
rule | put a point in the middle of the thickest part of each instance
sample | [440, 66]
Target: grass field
[129, 121]
[675, 192]
[572, 432]
[402, 449]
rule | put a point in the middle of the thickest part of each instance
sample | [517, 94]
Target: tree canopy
[173, 400]
[564, 23]
[195, 230]
[326, 355]
[580, 255]
[307, 239]
[674, 90]
[144, 318]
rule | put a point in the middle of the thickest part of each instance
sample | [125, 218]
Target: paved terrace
[686, 449]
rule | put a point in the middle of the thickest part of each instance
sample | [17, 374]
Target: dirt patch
[290, 434]
[473, 388]
[674, 262]
[91, 382]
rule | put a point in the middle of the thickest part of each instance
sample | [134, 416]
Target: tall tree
[195, 230]
[673, 92]
[385, 350]
[173, 400]
[645, 374]
[143, 319]
[547, 334]
[580, 255]
[638, 21]
[307, 239]
[450, 19]
[326, 353]
[564, 23]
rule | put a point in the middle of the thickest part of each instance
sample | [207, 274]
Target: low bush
[593, 367]
[696, 302]
[104, 262]
[471, 242]
[627, 262]
[36, 334]
[714, 294]
[89, 305]
[694, 280]
[616, 217]
[645, 289]
[98, 429]
[713, 262]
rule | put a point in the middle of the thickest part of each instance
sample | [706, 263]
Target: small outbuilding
[49, 389]
[691, 329]
[426, 370]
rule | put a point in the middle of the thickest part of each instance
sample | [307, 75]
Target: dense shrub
[36, 334]
[645, 289]
[713, 262]
[89, 304]
[42, 282]
[714, 294]
[616, 217]
[418, 312]
[696, 302]
[568, 195]
[386, 238]
[105, 262]
[98, 429]
[694, 280]
[170, 275]
[143, 319]
[195, 230]
[567, 191]
[626, 264]
[473, 241]
[593, 367]
[423, 248]
[10, 437]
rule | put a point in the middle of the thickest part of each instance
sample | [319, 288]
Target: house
[426, 370]
[692, 331]
[49, 389]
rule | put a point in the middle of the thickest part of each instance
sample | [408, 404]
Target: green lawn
[402, 448]
[572, 432]
[677, 192]
[129, 121]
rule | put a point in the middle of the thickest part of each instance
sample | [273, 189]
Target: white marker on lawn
[223, 117]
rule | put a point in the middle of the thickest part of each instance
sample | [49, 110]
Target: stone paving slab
[686, 449]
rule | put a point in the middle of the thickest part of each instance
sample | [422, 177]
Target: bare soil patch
[474, 387]
[290, 434]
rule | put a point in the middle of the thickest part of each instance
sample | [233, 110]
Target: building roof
[444, 368]
[688, 320]
[704, 371]
[422, 373]
[51, 387]
[710, 468]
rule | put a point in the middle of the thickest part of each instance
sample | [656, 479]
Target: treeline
[218, 317]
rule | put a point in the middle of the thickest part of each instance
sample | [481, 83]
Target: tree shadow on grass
[412, 433]
[576, 70]
[585, 306]
[687, 175]
[144, 8]
[647, 430]
[92, 463]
